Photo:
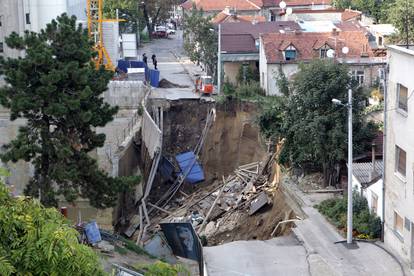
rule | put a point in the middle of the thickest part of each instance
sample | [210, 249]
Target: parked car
[160, 32]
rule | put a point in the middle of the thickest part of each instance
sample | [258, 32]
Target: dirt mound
[241, 226]
[167, 84]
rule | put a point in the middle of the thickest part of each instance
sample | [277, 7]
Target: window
[27, 18]
[402, 97]
[358, 75]
[323, 51]
[400, 161]
[290, 53]
[374, 203]
[380, 41]
[398, 223]
[1, 47]
[407, 224]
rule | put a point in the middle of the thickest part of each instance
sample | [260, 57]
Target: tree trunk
[46, 193]
[146, 17]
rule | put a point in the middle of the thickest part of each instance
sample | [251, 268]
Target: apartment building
[21, 15]
[399, 154]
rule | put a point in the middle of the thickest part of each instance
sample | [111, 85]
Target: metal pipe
[384, 151]
[349, 221]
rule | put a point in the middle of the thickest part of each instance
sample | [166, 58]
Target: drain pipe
[384, 150]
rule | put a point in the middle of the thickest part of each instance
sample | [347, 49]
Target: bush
[366, 224]
[249, 90]
[228, 89]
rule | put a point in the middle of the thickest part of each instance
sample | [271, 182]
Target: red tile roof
[219, 5]
[290, 3]
[308, 44]
[306, 2]
[350, 14]
[224, 17]
[244, 43]
[240, 37]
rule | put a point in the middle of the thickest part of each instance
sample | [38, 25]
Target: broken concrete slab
[159, 247]
[257, 204]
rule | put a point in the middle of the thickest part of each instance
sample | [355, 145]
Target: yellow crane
[94, 12]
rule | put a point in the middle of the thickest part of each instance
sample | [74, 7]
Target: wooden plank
[212, 207]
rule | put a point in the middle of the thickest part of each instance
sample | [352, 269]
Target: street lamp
[349, 214]
[345, 50]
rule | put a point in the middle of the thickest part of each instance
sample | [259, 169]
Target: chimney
[227, 10]
[334, 31]
[373, 174]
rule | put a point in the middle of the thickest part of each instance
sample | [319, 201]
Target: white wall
[273, 73]
[42, 12]
[399, 193]
[375, 188]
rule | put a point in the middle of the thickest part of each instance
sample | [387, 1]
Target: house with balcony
[399, 154]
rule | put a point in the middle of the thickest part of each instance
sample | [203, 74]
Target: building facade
[283, 52]
[26, 15]
[399, 157]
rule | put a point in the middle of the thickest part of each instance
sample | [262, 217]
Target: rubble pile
[221, 208]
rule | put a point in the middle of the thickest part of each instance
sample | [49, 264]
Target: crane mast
[95, 22]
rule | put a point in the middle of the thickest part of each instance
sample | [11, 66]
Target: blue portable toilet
[92, 232]
[154, 77]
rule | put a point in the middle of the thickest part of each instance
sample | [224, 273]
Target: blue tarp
[123, 66]
[185, 160]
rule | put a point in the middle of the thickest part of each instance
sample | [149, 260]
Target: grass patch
[162, 269]
[121, 250]
[131, 246]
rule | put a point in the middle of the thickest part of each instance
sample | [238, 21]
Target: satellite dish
[282, 4]
[345, 50]
[330, 53]
[289, 11]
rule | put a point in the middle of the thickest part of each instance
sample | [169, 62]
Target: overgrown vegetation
[162, 269]
[38, 241]
[365, 223]
[58, 90]
[314, 129]
[247, 74]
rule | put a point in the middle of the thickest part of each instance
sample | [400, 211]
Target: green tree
[373, 8]
[145, 13]
[38, 241]
[201, 40]
[56, 88]
[401, 15]
[315, 130]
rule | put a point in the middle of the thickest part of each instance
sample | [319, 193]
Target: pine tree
[56, 88]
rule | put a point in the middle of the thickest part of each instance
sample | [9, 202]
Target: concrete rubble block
[105, 246]
[257, 204]
[159, 247]
[210, 229]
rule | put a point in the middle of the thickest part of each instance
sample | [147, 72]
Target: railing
[127, 131]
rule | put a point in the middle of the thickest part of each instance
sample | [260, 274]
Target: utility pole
[349, 221]
[219, 60]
